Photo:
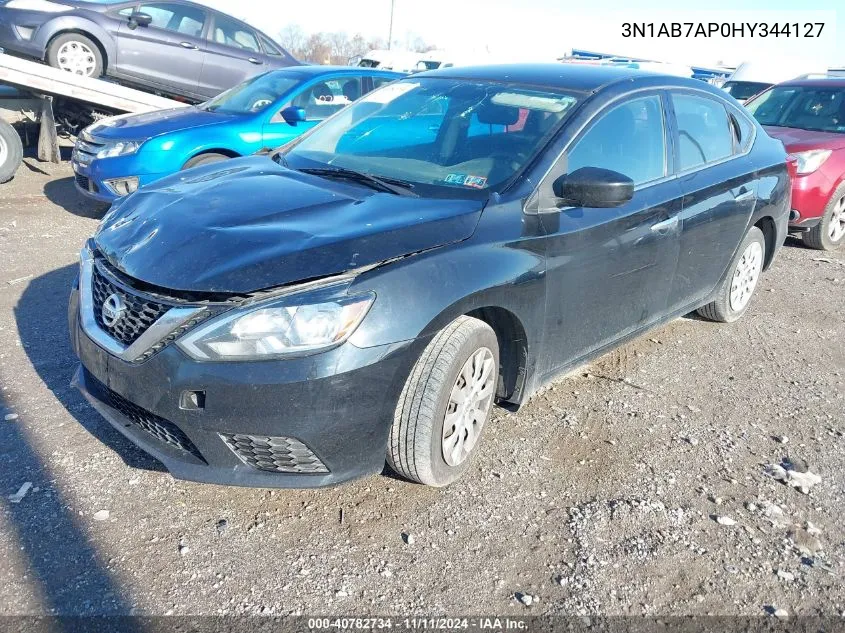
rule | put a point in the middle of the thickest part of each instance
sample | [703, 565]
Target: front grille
[140, 314]
[156, 426]
[86, 151]
[274, 454]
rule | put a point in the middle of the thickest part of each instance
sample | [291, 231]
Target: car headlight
[119, 148]
[809, 161]
[291, 326]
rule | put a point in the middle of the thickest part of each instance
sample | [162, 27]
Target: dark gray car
[174, 47]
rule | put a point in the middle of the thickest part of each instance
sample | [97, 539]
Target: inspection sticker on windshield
[476, 182]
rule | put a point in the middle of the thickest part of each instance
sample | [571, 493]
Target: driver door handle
[188, 45]
[253, 60]
[666, 225]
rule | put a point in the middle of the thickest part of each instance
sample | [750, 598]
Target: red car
[808, 117]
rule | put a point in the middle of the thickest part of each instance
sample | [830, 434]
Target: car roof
[819, 82]
[314, 70]
[575, 77]
[108, 5]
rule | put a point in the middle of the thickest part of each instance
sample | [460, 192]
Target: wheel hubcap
[746, 275]
[837, 221]
[77, 58]
[469, 404]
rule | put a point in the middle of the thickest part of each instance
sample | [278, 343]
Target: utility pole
[390, 32]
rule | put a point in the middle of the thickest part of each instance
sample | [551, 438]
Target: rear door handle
[253, 60]
[666, 225]
[188, 45]
[744, 194]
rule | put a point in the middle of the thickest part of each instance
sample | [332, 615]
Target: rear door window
[704, 132]
[231, 33]
[629, 139]
[178, 18]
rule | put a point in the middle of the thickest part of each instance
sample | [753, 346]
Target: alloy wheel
[469, 404]
[836, 228]
[746, 275]
[4, 151]
[77, 58]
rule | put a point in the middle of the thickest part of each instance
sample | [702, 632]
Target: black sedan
[455, 239]
[175, 47]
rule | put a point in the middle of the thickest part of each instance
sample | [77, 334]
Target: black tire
[96, 54]
[415, 448]
[819, 236]
[721, 309]
[204, 159]
[11, 152]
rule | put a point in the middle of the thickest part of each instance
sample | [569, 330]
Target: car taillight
[792, 165]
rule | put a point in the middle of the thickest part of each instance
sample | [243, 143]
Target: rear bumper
[338, 405]
[810, 195]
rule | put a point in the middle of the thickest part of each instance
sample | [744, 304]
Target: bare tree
[337, 48]
[317, 50]
[293, 38]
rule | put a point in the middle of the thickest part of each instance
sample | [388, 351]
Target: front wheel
[445, 404]
[829, 234]
[734, 293]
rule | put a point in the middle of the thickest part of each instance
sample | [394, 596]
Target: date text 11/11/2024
[722, 29]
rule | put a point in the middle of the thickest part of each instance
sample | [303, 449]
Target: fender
[73, 22]
[477, 274]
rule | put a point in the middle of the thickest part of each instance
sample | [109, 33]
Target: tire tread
[410, 435]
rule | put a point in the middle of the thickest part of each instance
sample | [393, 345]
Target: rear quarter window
[743, 130]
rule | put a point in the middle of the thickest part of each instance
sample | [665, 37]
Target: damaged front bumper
[300, 422]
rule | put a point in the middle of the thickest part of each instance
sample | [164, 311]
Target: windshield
[742, 90]
[253, 95]
[818, 108]
[442, 134]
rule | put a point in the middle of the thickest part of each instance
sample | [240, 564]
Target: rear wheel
[445, 404]
[11, 152]
[734, 293]
[829, 234]
[77, 54]
[205, 159]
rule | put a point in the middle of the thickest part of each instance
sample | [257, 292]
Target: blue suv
[116, 156]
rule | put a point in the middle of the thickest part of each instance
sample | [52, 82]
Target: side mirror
[293, 115]
[593, 187]
[136, 19]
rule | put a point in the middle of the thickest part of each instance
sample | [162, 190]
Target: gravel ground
[639, 485]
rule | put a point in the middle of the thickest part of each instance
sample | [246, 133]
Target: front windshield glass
[253, 95]
[818, 108]
[452, 135]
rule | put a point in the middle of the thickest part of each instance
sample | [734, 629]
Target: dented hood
[249, 224]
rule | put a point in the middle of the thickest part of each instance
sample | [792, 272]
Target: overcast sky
[548, 28]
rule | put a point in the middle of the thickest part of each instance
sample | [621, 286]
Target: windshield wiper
[379, 183]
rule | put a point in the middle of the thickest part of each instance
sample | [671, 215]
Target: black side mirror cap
[293, 115]
[137, 18]
[593, 187]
